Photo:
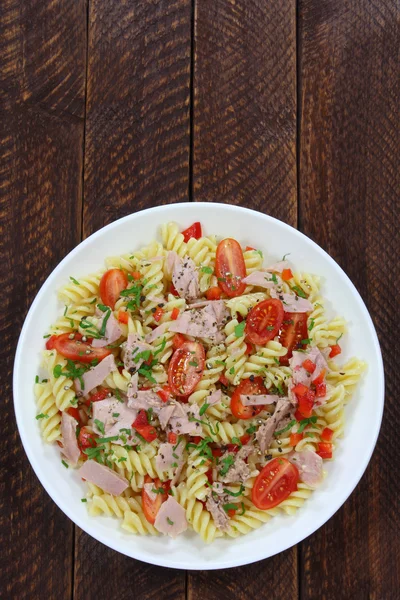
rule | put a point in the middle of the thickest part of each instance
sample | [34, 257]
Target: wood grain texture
[41, 134]
[244, 152]
[349, 200]
[137, 125]
[137, 156]
[244, 144]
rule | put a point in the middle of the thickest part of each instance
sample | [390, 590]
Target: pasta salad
[194, 385]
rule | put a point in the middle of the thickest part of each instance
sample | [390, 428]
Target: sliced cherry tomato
[209, 476]
[75, 349]
[217, 452]
[309, 365]
[164, 393]
[74, 412]
[230, 267]
[173, 290]
[86, 439]
[136, 275]
[264, 321]
[175, 313]
[247, 388]
[141, 424]
[186, 368]
[335, 350]
[178, 340]
[194, 231]
[298, 416]
[101, 394]
[277, 480]
[287, 274]
[223, 380]
[50, 342]
[293, 331]
[196, 439]
[327, 434]
[324, 450]
[172, 437]
[295, 438]
[123, 316]
[249, 348]
[214, 293]
[158, 313]
[249, 248]
[151, 507]
[111, 285]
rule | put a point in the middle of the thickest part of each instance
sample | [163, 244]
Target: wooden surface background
[291, 108]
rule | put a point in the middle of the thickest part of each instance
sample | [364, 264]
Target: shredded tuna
[165, 414]
[106, 479]
[205, 322]
[258, 400]
[266, 430]
[157, 332]
[115, 416]
[214, 398]
[169, 456]
[292, 303]
[131, 350]
[220, 517]
[182, 421]
[112, 333]
[70, 449]
[171, 518]
[95, 376]
[278, 267]
[145, 399]
[186, 279]
[239, 471]
[310, 466]
[262, 279]
[172, 261]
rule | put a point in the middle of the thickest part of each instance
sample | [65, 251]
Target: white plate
[363, 414]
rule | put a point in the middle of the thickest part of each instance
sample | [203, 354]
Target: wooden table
[112, 106]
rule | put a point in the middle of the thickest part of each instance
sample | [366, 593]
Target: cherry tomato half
[275, 483]
[75, 349]
[293, 331]
[186, 368]
[247, 388]
[111, 285]
[151, 507]
[264, 321]
[230, 267]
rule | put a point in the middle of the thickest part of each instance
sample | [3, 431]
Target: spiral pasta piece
[265, 357]
[347, 375]
[62, 386]
[50, 422]
[173, 304]
[198, 517]
[81, 289]
[172, 239]
[236, 353]
[196, 478]
[241, 305]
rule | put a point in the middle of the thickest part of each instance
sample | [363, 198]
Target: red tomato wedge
[111, 285]
[86, 439]
[264, 321]
[194, 231]
[50, 342]
[178, 340]
[230, 267]
[247, 388]
[293, 331]
[151, 507]
[186, 368]
[275, 483]
[75, 349]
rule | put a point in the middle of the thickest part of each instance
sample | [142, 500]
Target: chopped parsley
[251, 429]
[112, 438]
[203, 409]
[337, 339]
[41, 416]
[74, 281]
[71, 370]
[169, 521]
[305, 422]
[83, 500]
[107, 310]
[239, 329]
[274, 278]
[311, 325]
[288, 426]
[207, 270]
[227, 462]
[193, 363]
[299, 291]
[134, 295]
[37, 379]
[236, 494]
[259, 252]
[305, 341]
[231, 371]
[99, 425]
[229, 506]
[65, 464]
[159, 490]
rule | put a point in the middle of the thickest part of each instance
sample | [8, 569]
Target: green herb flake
[239, 329]
[227, 463]
[47, 336]
[112, 438]
[169, 521]
[83, 500]
[203, 409]
[231, 371]
[229, 506]
[193, 363]
[285, 429]
[99, 425]
[74, 281]
[37, 379]
[57, 371]
[340, 336]
[251, 429]
[305, 341]
[207, 270]
[65, 464]
[299, 291]
[311, 325]
[274, 278]
[305, 422]
[285, 255]
[159, 490]
[235, 494]
[115, 415]
[41, 416]
[122, 459]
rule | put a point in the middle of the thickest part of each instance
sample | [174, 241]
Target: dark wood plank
[245, 105]
[137, 126]
[349, 191]
[42, 61]
[137, 156]
[244, 126]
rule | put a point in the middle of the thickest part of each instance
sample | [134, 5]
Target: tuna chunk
[171, 518]
[214, 505]
[106, 479]
[180, 422]
[186, 279]
[266, 430]
[169, 456]
[112, 333]
[309, 465]
[114, 415]
[278, 267]
[70, 449]
[239, 471]
[95, 376]
[131, 351]
[172, 261]
[258, 399]
[205, 322]
[261, 279]
[301, 375]
[157, 332]
[293, 303]
[214, 398]
[165, 414]
[145, 399]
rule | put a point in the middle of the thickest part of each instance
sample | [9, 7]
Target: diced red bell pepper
[175, 313]
[173, 290]
[309, 365]
[249, 248]
[243, 441]
[287, 274]
[327, 434]
[324, 450]
[300, 389]
[335, 350]
[172, 437]
[123, 316]
[320, 378]
[158, 314]
[74, 412]
[164, 393]
[194, 231]
[214, 293]
[295, 438]
[320, 390]
[223, 379]
[136, 275]
[306, 404]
